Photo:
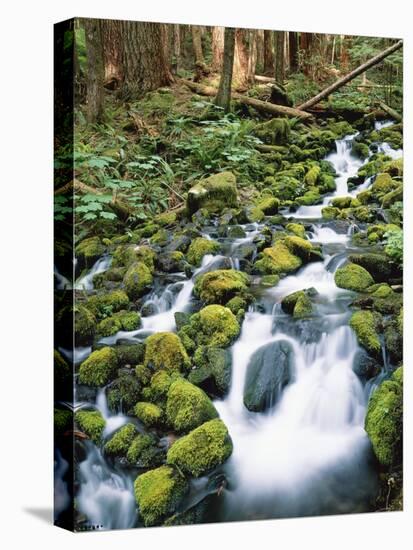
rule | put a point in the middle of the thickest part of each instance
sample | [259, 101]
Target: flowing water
[306, 455]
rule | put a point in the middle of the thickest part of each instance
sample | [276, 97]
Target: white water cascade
[86, 282]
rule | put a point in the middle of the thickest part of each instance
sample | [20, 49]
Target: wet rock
[364, 366]
[268, 371]
[212, 370]
[214, 193]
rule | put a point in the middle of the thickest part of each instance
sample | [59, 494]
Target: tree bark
[223, 97]
[145, 64]
[260, 50]
[279, 39]
[240, 70]
[263, 106]
[293, 43]
[394, 114]
[95, 70]
[217, 48]
[268, 54]
[112, 52]
[252, 54]
[350, 76]
[197, 44]
[176, 48]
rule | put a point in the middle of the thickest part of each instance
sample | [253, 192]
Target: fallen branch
[270, 148]
[262, 106]
[394, 114]
[350, 76]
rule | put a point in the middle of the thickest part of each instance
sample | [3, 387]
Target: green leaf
[90, 216]
[108, 215]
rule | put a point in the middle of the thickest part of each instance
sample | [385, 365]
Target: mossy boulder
[303, 249]
[360, 149]
[312, 175]
[364, 324]
[218, 287]
[268, 205]
[85, 325]
[158, 494]
[126, 255]
[393, 196]
[160, 238]
[108, 303]
[201, 450]
[122, 320]
[164, 350]
[384, 420]
[130, 354]
[268, 371]
[393, 167]
[99, 368]
[149, 414]
[138, 280]
[89, 250]
[214, 193]
[296, 228]
[188, 406]
[62, 421]
[330, 212]
[144, 452]
[199, 248]
[341, 202]
[214, 325]
[353, 277]
[383, 184]
[119, 443]
[297, 304]
[277, 259]
[63, 377]
[212, 370]
[378, 265]
[159, 385]
[273, 132]
[393, 338]
[123, 393]
[92, 423]
[254, 214]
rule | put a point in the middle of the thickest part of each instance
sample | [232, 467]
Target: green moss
[312, 175]
[85, 324]
[217, 287]
[160, 238]
[144, 453]
[365, 197]
[90, 249]
[158, 494]
[277, 259]
[130, 354]
[353, 277]
[268, 205]
[393, 167]
[202, 449]
[148, 413]
[360, 150]
[384, 420]
[303, 307]
[310, 197]
[166, 218]
[198, 248]
[62, 374]
[213, 370]
[62, 421]
[236, 304]
[341, 202]
[273, 132]
[118, 444]
[393, 196]
[364, 325]
[330, 212]
[143, 374]
[92, 423]
[99, 368]
[255, 214]
[108, 303]
[303, 248]
[123, 392]
[363, 214]
[160, 383]
[296, 228]
[383, 184]
[138, 280]
[236, 232]
[164, 350]
[214, 193]
[123, 320]
[188, 407]
[214, 325]
[270, 280]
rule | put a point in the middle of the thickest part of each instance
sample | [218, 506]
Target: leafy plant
[394, 246]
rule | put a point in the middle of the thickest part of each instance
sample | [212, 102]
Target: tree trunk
[252, 54]
[95, 70]
[279, 39]
[145, 64]
[260, 50]
[223, 97]
[333, 47]
[293, 43]
[268, 54]
[240, 71]
[217, 48]
[112, 52]
[197, 44]
[359, 70]
[176, 48]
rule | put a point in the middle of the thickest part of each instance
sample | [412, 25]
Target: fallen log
[394, 114]
[262, 106]
[350, 76]
[262, 148]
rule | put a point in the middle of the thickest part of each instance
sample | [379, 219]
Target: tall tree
[112, 52]
[217, 45]
[176, 48]
[95, 70]
[279, 39]
[240, 71]
[223, 97]
[144, 60]
[293, 43]
[252, 54]
[268, 54]
[197, 44]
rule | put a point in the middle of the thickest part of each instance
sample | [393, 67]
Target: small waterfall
[62, 282]
[389, 151]
[86, 282]
[112, 421]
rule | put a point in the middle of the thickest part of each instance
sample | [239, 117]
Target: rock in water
[268, 371]
[214, 193]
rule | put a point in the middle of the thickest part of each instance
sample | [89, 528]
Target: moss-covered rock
[138, 280]
[273, 132]
[341, 202]
[303, 249]
[277, 259]
[353, 277]
[364, 324]
[214, 193]
[330, 212]
[149, 414]
[199, 248]
[201, 450]
[126, 255]
[108, 303]
[164, 350]
[298, 304]
[89, 250]
[62, 421]
[122, 320]
[393, 196]
[119, 443]
[187, 406]
[92, 423]
[130, 354]
[384, 420]
[212, 370]
[63, 377]
[393, 167]
[123, 393]
[159, 493]
[296, 228]
[218, 287]
[214, 325]
[144, 452]
[383, 184]
[312, 175]
[99, 368]
[85, 325]
[268, 205]
[378, 265]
